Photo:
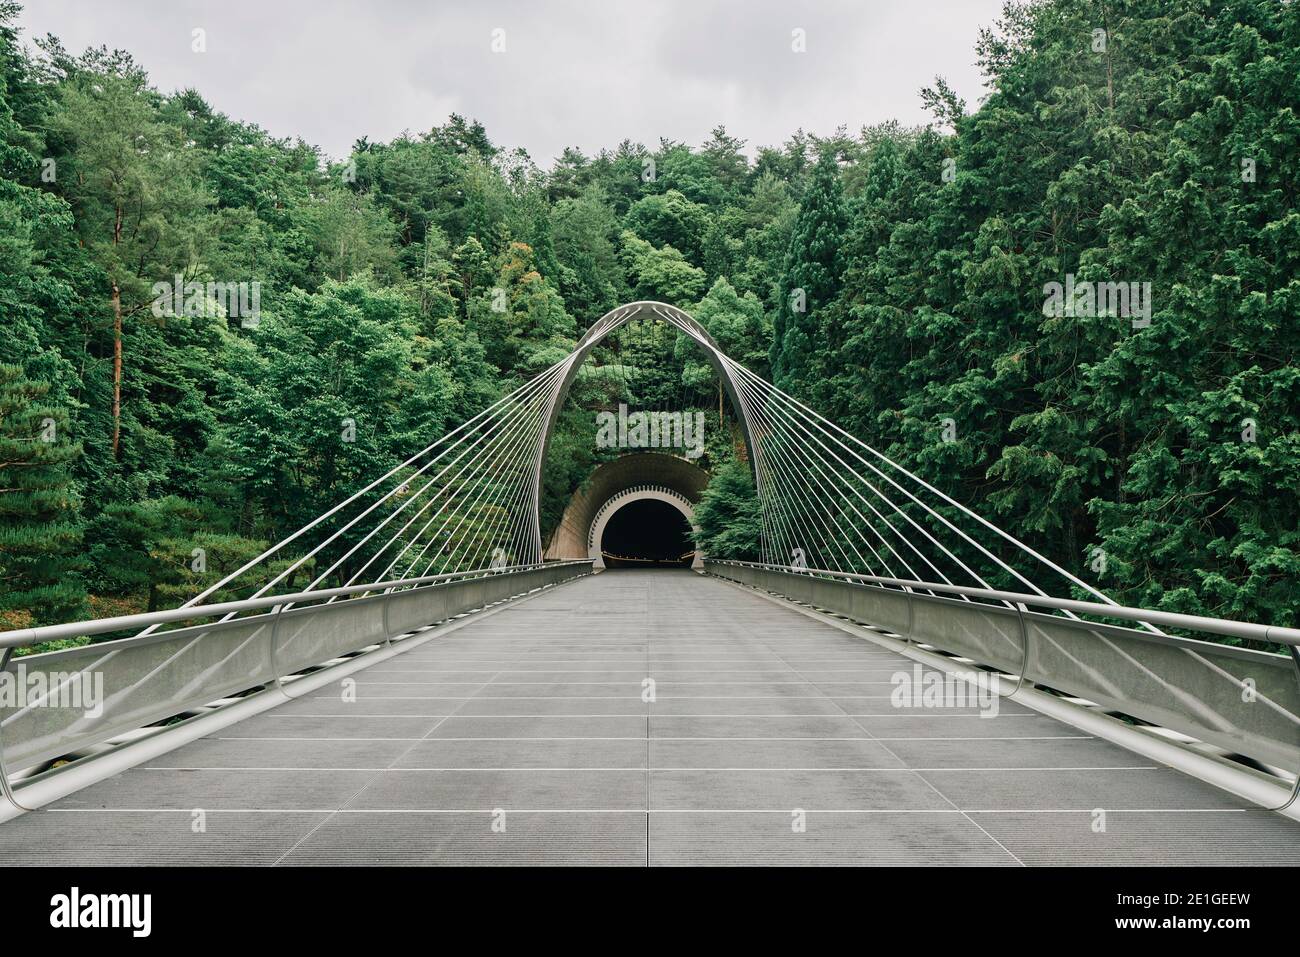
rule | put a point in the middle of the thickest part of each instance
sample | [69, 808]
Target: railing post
[5, 788]
[388, 631]
[1021, 610]
[276, 612]
[1295, 789]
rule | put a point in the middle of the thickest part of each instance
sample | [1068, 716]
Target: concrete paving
[525, 739]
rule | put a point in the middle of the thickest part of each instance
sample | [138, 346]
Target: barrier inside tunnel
[647, 533]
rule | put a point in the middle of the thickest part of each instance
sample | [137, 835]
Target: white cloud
[573, 74]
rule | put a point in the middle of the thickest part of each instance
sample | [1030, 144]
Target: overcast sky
[585, 74]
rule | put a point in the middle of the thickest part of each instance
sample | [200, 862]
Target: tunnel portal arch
[571, 538]
[638, 493]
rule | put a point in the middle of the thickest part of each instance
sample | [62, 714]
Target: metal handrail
[21, 637]
[1217, 626]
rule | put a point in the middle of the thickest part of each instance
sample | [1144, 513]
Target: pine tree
[727, 522]
[813, 271]
[39, 535]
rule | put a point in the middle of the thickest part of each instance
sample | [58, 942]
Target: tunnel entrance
[647, 533]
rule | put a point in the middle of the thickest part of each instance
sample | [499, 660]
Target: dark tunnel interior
[647, 534]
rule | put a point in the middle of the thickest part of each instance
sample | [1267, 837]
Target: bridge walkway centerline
[526, 738]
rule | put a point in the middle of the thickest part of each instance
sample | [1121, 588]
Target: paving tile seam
[635, 770]
[552, 810]
[921, 777]
[585, 714]
[841, 772]
[667, 738]
[361, 790]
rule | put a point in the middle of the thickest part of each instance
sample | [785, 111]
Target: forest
[193, 309]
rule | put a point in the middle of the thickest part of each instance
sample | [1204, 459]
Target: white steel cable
[546, 405]
[253, 562]
[518, 450]
[928, 510]
[393, 491]
[819, 420]
[728, 363]
[812, 483]
[819, 509]
[520, 438]
[491, 495]
[771, 509]
[833, 507]
[511, 424]
[890, 503]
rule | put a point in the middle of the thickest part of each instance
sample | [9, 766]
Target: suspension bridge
[415, 677]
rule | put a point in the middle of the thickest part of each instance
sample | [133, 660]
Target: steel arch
[599, 331]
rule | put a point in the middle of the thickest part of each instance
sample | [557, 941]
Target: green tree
[670, 219]
[591, 277]
[170, 549]
[521, 319]
[727, 517]
[740, 329]
[662, 273]
[333, 390]
[39, 532]
[133, 185]
[803, 328]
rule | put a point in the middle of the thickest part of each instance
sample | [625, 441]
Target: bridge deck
[537, 710]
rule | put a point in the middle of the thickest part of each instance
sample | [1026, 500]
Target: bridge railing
[1243, 700]
[65, 701]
